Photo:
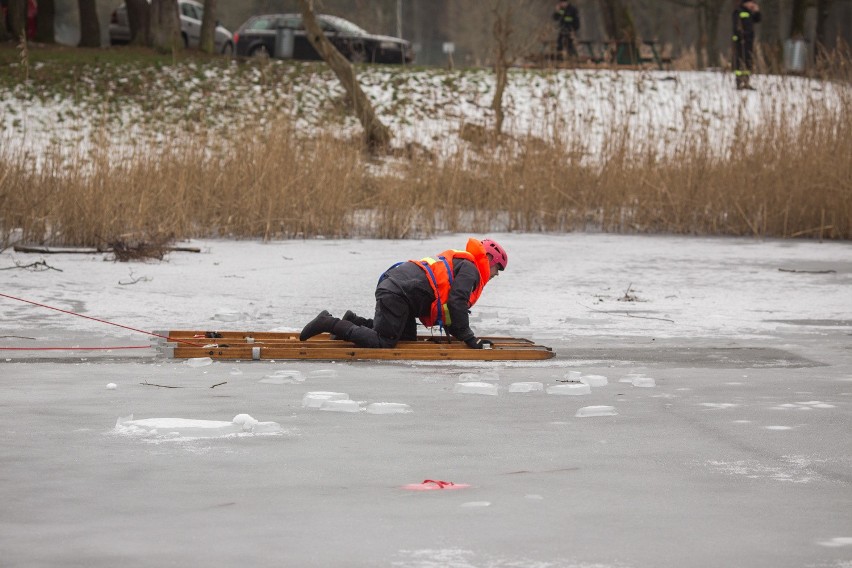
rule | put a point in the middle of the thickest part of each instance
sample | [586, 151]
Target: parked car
[32, 16]
[191, 13]
[258, 37]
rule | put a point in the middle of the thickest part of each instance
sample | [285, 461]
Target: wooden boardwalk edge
[248, 346]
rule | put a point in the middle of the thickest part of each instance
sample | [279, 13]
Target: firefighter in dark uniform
[744, 17]
[568, 18]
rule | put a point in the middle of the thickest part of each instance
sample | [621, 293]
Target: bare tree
[45, 32]
[823, 42]
[165, 25]
[707, 15]
[16, 18]
[618, 22]
[770, 34]
[376, 134]
[139, 20]
[208, 27]
[90, 27]
[797, 22]
[502, 30]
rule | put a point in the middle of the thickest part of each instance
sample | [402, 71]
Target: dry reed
[781, 180]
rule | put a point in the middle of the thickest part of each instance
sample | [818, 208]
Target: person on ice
[438, 290]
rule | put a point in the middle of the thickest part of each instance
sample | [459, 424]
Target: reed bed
[788, 179]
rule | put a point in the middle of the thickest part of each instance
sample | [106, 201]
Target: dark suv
[283, 36]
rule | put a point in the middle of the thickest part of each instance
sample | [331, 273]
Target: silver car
[191, 13]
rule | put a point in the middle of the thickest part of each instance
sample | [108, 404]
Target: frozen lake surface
[713, 426]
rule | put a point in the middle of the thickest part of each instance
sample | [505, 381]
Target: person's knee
[366, 337]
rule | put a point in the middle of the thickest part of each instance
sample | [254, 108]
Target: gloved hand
[475, 343]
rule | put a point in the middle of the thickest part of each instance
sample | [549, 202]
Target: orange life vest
[440, 273]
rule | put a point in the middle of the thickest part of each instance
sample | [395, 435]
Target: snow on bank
[581, 108]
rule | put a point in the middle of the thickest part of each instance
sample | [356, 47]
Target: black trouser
[743, 57]
[393, 322]
[565, 42]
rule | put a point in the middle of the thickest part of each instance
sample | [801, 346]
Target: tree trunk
[701, 38]
[376, 135]
[797, 22]
[824, 44]
[16, 18]
[165, 26]
[712, 12]
[502, 31]
[90, 28]
[618, 22]
[45, 31]
[770, 34]
[139, 19]
[208, 27]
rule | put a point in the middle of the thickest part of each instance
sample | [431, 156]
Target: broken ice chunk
[198, 362]
[340, 405]
[284, 377]
[588, 411]
[316, 398]
[644, 382]
[569, 389]
[593, 380]
[388, 408]
[476, 388]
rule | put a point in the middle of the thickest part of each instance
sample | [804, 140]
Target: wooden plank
[363, 354]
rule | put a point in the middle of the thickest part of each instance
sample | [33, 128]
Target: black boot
[356, 319]
[323, 323]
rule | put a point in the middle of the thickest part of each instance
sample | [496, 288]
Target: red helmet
[498, 255]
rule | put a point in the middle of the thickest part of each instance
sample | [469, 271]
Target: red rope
[100, 320]
[72, 348]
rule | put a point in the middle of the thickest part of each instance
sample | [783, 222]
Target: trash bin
[284, 39]
[795, 55]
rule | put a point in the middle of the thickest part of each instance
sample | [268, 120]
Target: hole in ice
[492, 376]
[323, 374]
[526, 387]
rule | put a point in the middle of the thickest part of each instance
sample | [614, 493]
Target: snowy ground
[123, 107]
[740, 455]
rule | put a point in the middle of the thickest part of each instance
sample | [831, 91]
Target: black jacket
[743, 21]
[568, 19]
[411, 282]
